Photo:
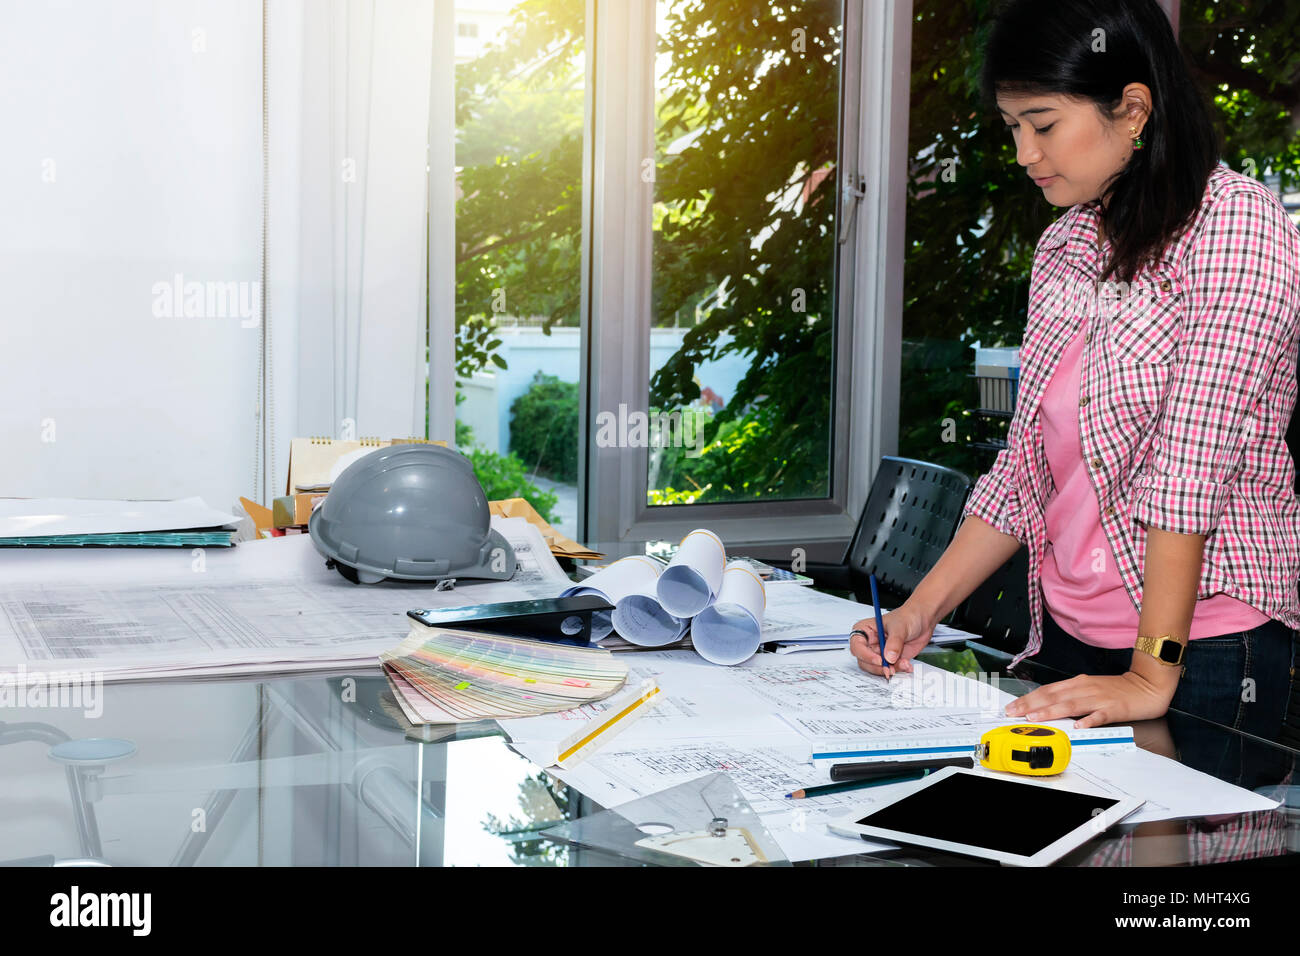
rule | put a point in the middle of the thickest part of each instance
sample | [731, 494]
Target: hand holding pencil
[907, 632]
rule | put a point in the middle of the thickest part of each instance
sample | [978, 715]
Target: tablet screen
[991, 812]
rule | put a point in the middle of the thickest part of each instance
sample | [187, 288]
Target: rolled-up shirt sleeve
[994, 498]
[1238, 325]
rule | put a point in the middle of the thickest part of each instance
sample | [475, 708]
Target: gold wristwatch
[1167, 649]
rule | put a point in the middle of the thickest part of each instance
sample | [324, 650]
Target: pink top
[1082, 587]
[1189, 385]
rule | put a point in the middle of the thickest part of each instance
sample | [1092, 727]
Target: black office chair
[998, 610]
[911, 513]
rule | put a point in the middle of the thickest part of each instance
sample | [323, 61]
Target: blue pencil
[880, 623]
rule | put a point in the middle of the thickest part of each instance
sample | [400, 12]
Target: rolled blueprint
[729, 630]
[631, 575]
[690, 582]
[640, 619]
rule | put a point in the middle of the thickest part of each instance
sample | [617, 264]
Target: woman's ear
[1137, 105]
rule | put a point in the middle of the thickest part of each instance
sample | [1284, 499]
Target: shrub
[544, 428]
[504, 476]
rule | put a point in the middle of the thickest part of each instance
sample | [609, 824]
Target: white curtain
[132, 176]
[362, 152]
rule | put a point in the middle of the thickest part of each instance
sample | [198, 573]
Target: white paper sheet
[640, 619]
[691, 581]
[922, 720]
[41, 517]
[268, 604]
[800, 614]
[635, 574]
[1171, 790]
[943, 634]
[721, 718]
[729, 630]
[806, 619]
[536, 570]
[696, 699]
[759, 697]
[735, 719]
[764, 772]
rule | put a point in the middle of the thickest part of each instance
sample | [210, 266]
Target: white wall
[129, 157]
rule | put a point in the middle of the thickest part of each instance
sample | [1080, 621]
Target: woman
[1146, 468]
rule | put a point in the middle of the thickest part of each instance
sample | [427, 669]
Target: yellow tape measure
[1025, 748]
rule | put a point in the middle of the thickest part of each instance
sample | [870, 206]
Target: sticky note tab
[577, 683]
[462, 685]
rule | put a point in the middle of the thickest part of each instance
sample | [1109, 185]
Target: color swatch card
[440, 675]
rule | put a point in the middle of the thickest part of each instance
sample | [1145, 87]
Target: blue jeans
[1241, 680]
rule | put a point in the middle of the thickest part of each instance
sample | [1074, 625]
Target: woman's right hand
[907, 631]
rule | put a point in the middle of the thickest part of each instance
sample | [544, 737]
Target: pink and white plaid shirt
[1187, 388]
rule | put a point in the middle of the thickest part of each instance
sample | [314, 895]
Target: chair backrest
[998, 610]
[911, 513]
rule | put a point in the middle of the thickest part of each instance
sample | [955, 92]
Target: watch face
[1171, 652]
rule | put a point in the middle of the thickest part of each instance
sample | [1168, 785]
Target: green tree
[544, 428]
[519, 116]
[1245, 54]
[971, 237]
[749, 207]
[748, 170]
[745, 209]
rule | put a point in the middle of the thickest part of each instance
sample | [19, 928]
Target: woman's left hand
[1096, 699]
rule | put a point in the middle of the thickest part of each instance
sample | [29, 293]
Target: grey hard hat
[411, 513]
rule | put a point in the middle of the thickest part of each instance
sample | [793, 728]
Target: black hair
[1037, 48]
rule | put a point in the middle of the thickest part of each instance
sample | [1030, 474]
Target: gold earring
[1137, 139]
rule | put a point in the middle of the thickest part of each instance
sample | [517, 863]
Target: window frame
[616, 275]
[875, 75]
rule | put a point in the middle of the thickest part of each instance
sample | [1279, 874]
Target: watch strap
[1160, 647]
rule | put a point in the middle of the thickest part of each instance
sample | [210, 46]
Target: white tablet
[1022, 821]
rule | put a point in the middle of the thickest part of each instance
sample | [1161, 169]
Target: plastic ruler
[621, 714]
[959, 743]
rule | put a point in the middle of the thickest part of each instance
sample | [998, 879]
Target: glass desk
[318, 770]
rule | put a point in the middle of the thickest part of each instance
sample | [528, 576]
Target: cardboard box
[312, 459]
[294, 511]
